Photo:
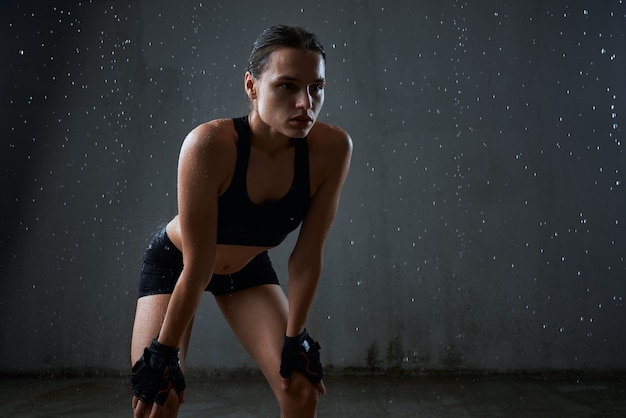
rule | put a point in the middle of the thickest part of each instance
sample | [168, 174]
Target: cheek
[319, 99]
[269, 105]
[273, 97]
[264, 100]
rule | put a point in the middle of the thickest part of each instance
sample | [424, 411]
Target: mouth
[302, 119]
[303, 122]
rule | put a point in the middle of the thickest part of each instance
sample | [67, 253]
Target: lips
[302, 119]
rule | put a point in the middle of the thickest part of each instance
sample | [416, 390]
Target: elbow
[197, 273]
[305, 266]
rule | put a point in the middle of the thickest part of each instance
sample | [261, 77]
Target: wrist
[295, 335]
[163, 350]
[292, 343]
[294, 331]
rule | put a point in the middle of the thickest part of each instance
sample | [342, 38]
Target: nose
[305, 101]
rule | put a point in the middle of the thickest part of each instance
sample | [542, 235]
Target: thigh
[148, 320]
[258, 318]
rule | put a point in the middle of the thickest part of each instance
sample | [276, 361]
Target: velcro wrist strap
[296, 341]
[165, 351]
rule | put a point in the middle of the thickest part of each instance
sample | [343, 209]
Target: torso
[267, 219]
[263, 185]
[228, 258]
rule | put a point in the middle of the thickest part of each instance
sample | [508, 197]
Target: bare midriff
[228, 258]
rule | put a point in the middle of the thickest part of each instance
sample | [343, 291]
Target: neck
[264, 137]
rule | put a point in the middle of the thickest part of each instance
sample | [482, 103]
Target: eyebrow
[290, 78]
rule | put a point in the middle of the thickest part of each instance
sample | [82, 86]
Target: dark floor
[362, 397]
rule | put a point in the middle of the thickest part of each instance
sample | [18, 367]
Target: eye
[317, 87]
[287, 86]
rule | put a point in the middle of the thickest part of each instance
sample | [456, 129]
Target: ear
[250, 85]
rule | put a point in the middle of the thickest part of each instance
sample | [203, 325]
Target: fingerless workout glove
[301, 353]
[156, 373]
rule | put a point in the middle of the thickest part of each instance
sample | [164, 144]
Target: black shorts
[163, 263]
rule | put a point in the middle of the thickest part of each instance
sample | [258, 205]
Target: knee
[300, 400]
[170, 407]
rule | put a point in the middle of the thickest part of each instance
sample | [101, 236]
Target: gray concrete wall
[481, 227]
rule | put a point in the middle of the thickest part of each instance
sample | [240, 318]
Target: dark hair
[280, 36]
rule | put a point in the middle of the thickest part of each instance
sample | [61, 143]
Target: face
[289, 94]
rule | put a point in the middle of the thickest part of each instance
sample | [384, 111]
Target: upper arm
[202, 170]
[334, 154]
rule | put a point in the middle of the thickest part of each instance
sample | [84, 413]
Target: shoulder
[330, 140]
[210, 147]
[216, 133]
[330, 152]
[215, 139]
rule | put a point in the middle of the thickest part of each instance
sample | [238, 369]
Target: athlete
[243, 185]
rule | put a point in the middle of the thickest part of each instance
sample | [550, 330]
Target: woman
[243, 185]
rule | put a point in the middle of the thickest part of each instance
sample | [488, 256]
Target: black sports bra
[243, 222]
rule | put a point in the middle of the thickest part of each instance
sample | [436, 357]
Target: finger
[156, 410]
[139, 408]
[134, 402]
[181, 396]
[285, 383]
[321, 387]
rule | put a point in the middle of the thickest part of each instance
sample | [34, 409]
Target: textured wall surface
[482, 225]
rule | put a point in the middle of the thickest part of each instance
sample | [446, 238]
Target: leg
[263, 339]
[148, 321]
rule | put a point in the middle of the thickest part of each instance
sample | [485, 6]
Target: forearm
[302, 287]
[181, 309]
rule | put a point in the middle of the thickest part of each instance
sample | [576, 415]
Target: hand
[302, 353]
[154, 375]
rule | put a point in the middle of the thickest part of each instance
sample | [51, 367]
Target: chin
[299, 132]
